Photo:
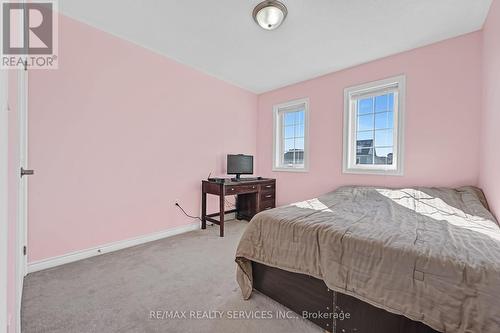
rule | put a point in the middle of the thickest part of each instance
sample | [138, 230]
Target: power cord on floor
[226, 202]
[190, 216]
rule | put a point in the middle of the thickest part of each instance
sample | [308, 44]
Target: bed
[418, 259]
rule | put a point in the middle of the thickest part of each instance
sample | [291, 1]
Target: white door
[24, 172]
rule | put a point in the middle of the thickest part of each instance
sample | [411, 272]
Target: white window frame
[398, 86]
[278, 135]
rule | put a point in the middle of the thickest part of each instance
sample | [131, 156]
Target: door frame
[4, 229]
[22, 206]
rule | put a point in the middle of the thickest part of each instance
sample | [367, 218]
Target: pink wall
[489, 178]
[13, 170]
[442, 122]
[117, 134]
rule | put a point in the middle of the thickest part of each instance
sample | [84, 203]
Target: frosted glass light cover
[269, 17]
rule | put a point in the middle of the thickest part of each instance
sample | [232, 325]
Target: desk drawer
[241, 189]
[269, 187]
[268, 204]
[267, 195]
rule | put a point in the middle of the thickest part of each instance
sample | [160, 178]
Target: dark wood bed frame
[300, 293]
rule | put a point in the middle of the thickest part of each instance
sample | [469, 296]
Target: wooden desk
[251, 197]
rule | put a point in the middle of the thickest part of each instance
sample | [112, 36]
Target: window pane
[299, 118]
[384, 155]
[364, 158]
[365, 106]
[384, 120]
[299, 156]
[364, 142]
[381, 103]
[367, 135]
[288, 151]
[299, 131]
[383, 138]
[289, 118]
[289, 132]
[365, 122]
[391, 101]
[364, 149]
[289, 145]
[288, 158]
[299, 144]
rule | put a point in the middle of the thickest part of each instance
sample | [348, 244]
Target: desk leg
[221, 213]
[203, 210]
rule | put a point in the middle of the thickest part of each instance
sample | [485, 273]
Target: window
[291, 121]
[373, 127]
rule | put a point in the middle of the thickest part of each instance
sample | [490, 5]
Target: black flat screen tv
[239, 165]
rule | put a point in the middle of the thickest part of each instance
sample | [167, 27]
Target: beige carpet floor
[191, 275]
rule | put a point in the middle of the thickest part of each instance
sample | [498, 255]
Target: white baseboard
[106, 248]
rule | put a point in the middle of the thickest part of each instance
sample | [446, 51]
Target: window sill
[379, 172]
[284, 169]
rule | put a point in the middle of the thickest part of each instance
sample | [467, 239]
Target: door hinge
[24, 250]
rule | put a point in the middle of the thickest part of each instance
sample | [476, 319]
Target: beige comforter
[431, 254]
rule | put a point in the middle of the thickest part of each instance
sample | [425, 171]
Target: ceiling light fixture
[269, 14]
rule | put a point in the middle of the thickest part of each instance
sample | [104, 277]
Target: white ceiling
[220, 38]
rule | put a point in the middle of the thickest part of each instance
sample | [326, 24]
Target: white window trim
[277, 136]
[397, 169]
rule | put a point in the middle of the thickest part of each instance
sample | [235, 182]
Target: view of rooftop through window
[293, 136]
[374, 132]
